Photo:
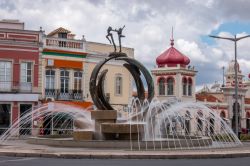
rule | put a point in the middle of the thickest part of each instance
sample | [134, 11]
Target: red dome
[171, 57]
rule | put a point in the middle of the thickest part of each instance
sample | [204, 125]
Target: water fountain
[148, 124]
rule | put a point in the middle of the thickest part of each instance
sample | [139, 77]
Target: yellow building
[68, 64]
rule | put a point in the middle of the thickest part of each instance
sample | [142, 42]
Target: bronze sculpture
[133, 66]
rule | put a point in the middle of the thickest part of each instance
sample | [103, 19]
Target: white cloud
[148, 25]
[192, 50]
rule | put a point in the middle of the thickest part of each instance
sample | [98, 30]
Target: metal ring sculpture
[132, 65]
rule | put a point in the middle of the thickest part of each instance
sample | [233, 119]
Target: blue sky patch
[231, 27]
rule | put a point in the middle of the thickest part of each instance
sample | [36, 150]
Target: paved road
[20, 161]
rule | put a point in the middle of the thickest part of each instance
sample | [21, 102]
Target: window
[78, 81]
[161, 86]
[118, 85]
[184, 86]
[26, 76]
[26, 72]
[50, 62]
[5, 75]
[5, 117]
[170, 85]
[50, 79]
[223, 116]
[64, 77]
[189, 87]
[62, 35]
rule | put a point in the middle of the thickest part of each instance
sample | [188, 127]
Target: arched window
[222, 115]
[199, 121]
[161, 86]
[248, 120]
[199, 125]
[118, 84]
[189, 86]
[184, 86]
[187, 122]
[170, 85]
[50, 79]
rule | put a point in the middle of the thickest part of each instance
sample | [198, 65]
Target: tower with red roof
[172, 76]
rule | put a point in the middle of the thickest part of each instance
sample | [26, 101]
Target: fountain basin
[123, 144]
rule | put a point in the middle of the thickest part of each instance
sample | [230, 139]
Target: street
[23, 161]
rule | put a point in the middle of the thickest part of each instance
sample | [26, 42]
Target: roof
[59, 30]
[206, 97]
[172, 57]
[247, 100]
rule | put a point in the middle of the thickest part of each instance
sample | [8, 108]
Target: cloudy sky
[148, 27]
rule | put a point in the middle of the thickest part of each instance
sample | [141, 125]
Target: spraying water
[167, 124]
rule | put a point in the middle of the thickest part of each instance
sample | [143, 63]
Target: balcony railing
[13, 86]
[60, 43]
[58, 95]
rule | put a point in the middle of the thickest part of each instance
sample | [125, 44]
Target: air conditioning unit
[49, 99]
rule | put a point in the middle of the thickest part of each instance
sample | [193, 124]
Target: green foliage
[244, 137]
[223, 138]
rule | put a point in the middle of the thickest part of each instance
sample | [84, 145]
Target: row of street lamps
[234, 39]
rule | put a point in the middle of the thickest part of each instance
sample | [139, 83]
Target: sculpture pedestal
[102, 116]
[80, 135]
[122, 131]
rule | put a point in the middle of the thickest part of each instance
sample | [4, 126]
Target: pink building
[20, 55]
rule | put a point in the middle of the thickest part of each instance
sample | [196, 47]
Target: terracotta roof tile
[59, 30]
[207, 97]
[247, 100]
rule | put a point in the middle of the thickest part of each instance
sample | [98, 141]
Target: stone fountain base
[122, 144]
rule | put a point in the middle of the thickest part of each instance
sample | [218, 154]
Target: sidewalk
[22, 149]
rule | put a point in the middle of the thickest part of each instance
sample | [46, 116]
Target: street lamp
[223, 75]
[234, 39]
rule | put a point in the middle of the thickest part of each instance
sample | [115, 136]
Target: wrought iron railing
[14, 86]
[57, 94]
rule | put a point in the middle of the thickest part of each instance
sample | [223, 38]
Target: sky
[148, 27]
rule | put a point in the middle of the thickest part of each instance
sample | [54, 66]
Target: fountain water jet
[159, 125]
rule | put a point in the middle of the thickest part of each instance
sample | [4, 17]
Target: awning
[66, 64]
[81, 104]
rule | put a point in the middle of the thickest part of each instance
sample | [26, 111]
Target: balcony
[64, 44]
[15, 87]
[57, 95]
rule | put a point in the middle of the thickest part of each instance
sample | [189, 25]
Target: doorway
[25, 118]
[5, 117]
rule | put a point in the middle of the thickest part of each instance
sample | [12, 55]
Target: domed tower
[172, 76]
[229, 93]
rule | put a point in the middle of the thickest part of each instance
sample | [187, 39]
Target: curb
[127, 155]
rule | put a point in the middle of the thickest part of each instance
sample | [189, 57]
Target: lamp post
[223, 75]
[234, 39]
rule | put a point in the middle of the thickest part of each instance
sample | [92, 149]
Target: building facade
[36, 67]
[222, 98]
[67, 64]
[20, 77]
